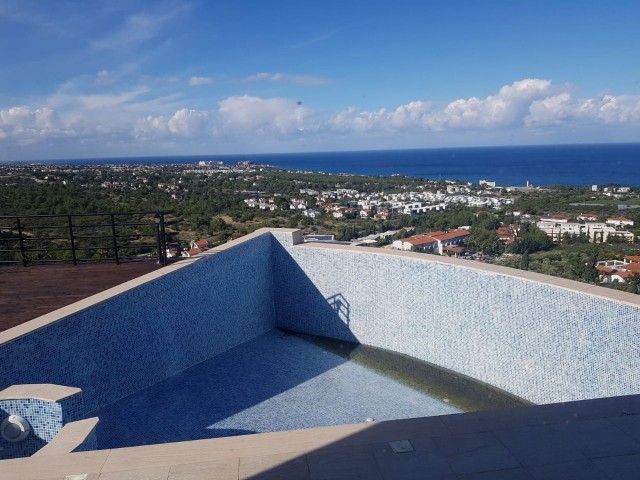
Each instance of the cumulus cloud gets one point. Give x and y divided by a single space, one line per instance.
246 113
132 117
524 103
606 109
24 126
239 115
189 123
411 115
287 78
150 127
508 107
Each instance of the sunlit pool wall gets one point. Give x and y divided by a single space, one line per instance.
538 341
153 331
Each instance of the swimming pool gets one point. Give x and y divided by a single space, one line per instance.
535 337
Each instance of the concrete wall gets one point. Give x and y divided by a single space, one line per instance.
542 342
152 331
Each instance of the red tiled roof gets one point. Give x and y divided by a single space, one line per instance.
420 240
194 251
631 267
603 269
621 219
433 237
633 258
450 235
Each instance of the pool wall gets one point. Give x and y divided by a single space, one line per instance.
537 337
541 338
152 331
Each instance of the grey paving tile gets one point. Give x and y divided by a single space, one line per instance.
473 453
599 438
424 462
539 445
348 462
629 424
580 470
273 467
219 469
512 474
557 413
625 467
150 473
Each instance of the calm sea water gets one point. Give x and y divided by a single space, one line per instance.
539 165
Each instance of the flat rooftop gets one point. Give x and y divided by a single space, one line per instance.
29 292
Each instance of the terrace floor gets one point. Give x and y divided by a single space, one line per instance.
28 292
592 439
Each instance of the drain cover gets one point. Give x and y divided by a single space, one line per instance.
401 446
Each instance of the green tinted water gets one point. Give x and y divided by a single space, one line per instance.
459 390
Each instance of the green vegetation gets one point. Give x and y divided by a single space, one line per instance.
209 202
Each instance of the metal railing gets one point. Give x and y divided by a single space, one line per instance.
84 237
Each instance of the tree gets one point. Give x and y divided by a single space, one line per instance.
524 261
531 239
485 241
633 284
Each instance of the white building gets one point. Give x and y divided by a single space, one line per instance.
620 222
432 242
597 232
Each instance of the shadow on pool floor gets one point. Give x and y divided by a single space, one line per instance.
273 382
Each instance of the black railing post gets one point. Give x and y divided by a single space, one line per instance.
161 254
21 240
163 236
115 239
72 240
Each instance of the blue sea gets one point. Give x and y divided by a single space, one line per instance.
539 165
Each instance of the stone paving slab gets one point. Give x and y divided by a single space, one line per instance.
593 439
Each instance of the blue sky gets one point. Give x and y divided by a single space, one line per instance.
129 78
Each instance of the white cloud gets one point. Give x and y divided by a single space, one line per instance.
24 126
143 118
95 101
525 103
606 109
287 78
140 27
507 108
411 115
150 127
189 123
247 113
195 81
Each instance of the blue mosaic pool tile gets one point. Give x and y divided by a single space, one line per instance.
273 382
151 332
538 341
